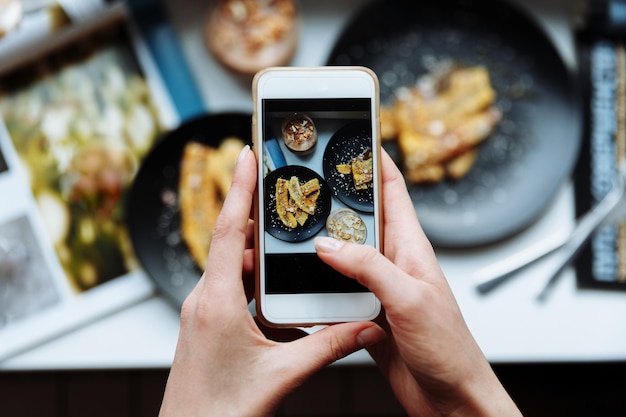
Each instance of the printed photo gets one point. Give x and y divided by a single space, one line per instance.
81 119
26 283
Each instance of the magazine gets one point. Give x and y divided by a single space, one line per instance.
80 109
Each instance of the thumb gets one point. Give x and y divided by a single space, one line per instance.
335 342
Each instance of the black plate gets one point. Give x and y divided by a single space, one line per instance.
346 144
534 148
153 214
314 223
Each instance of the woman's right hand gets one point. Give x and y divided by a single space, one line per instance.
430 358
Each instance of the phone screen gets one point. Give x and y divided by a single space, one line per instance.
319 180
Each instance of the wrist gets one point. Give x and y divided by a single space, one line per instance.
484 396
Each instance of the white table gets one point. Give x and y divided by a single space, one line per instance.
574 325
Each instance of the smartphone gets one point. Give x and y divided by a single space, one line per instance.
317 141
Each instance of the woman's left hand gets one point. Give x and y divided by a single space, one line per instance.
224 365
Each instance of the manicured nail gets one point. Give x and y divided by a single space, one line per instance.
243 153
370 336
327 244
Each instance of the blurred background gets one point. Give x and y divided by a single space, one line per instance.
100 100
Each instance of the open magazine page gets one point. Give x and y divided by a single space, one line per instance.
29 27
76 122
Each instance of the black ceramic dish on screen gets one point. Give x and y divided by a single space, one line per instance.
314 223
536 144
346 144
153 214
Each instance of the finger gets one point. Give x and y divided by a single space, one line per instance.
371 268
249 284
398 208
280 335
249 262
192 298
224 266
333 343
401 224
250 234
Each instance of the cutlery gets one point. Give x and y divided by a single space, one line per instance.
562 249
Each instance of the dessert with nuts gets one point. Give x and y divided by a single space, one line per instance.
300 134
346 225
249 35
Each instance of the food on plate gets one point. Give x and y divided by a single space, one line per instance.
97 176
346 225
249 35
439 122
81 119
361 168
299 134
205 177
295 202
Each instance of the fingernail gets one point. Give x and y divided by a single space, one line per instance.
370 336
327 244
243 153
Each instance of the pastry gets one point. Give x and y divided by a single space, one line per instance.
361 169
295 202
440 121
205 177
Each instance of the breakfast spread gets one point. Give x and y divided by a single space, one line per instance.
205 177
295 202
346 225
440 121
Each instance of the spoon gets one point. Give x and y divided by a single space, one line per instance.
563 249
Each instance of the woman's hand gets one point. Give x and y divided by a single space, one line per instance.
224 365
430 358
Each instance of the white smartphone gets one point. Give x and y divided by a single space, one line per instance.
316 137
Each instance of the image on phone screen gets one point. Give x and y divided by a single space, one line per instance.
319 180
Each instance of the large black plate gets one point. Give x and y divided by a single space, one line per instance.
521 166
346 144
152 212
314 223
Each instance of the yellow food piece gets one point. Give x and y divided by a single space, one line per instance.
345 169
295 201
205 177
282 203
295 192
310 186
459 166
362 172
436 125
361 168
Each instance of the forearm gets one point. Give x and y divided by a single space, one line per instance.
482 395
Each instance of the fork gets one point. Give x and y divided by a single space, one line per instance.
564 250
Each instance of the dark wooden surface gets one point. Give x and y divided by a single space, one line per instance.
539 389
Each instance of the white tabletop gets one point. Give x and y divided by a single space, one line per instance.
510 326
